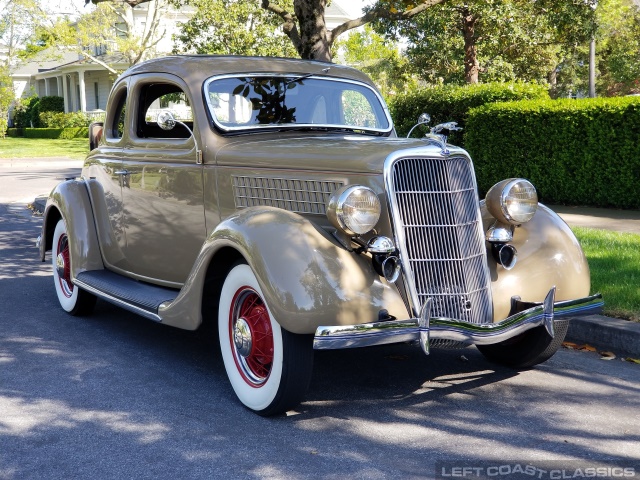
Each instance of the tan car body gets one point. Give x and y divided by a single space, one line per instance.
180 232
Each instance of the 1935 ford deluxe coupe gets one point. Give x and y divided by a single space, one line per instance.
273 198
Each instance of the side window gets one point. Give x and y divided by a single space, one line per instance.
357 110
159 97
115 122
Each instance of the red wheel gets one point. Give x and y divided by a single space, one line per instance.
251 336
72 299
63 265
268 367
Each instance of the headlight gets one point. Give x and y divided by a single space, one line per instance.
513 201
354 209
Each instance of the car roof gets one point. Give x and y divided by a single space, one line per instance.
195 69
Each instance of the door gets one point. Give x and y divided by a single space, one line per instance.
163 207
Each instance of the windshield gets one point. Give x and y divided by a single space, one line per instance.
267 101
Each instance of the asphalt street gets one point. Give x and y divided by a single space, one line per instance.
114 396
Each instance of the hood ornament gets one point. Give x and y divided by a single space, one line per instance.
435 137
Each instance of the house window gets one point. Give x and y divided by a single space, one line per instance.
96 91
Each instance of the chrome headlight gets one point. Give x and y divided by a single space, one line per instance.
354 209
513 201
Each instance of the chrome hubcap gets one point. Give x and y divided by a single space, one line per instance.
60 265
242 337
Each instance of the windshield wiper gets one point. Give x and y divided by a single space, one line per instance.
302 77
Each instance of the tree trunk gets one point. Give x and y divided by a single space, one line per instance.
471 64
315 38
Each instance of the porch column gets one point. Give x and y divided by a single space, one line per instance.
65 92
73 94
46 87
83 93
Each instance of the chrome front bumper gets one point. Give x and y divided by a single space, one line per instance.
425 328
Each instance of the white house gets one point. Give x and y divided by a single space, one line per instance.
85 84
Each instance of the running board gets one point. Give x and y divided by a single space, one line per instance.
138 297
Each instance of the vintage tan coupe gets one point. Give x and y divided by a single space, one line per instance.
273 198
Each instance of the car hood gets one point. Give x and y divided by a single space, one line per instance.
337 153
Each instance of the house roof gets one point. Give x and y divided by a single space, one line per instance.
47 60
335 10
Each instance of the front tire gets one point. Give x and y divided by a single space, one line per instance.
268 367
528 349
72 299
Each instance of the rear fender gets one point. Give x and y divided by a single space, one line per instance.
69 200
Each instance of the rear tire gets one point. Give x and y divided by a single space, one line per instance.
528 349
73 300
268 367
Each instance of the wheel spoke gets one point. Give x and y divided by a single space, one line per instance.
255 366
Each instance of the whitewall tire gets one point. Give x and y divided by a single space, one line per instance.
72 299
269 368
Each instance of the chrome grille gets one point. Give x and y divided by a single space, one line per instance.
437 221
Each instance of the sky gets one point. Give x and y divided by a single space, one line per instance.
354 7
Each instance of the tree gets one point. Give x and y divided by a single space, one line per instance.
18 20
112 25
6 98
231 27
305 24
379 58
458 41
618 47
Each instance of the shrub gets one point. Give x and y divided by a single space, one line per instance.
452 103
51 104
576 152
22 112
63 120
45 104
64 133
14 132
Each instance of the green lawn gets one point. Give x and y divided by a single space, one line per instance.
76 148
614 260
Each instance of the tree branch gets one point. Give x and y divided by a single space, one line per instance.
379 13
100 62
289 26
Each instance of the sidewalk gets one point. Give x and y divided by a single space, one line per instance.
602 218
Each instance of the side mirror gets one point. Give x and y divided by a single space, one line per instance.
166 120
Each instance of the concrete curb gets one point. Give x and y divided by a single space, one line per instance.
39 204
621 337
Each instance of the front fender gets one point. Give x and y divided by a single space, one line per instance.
69 200
306 277
548 254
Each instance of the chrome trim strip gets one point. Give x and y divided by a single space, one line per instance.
116 301
381 333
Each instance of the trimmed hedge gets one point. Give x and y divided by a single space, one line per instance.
452 103
575 152
64 133
15 132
